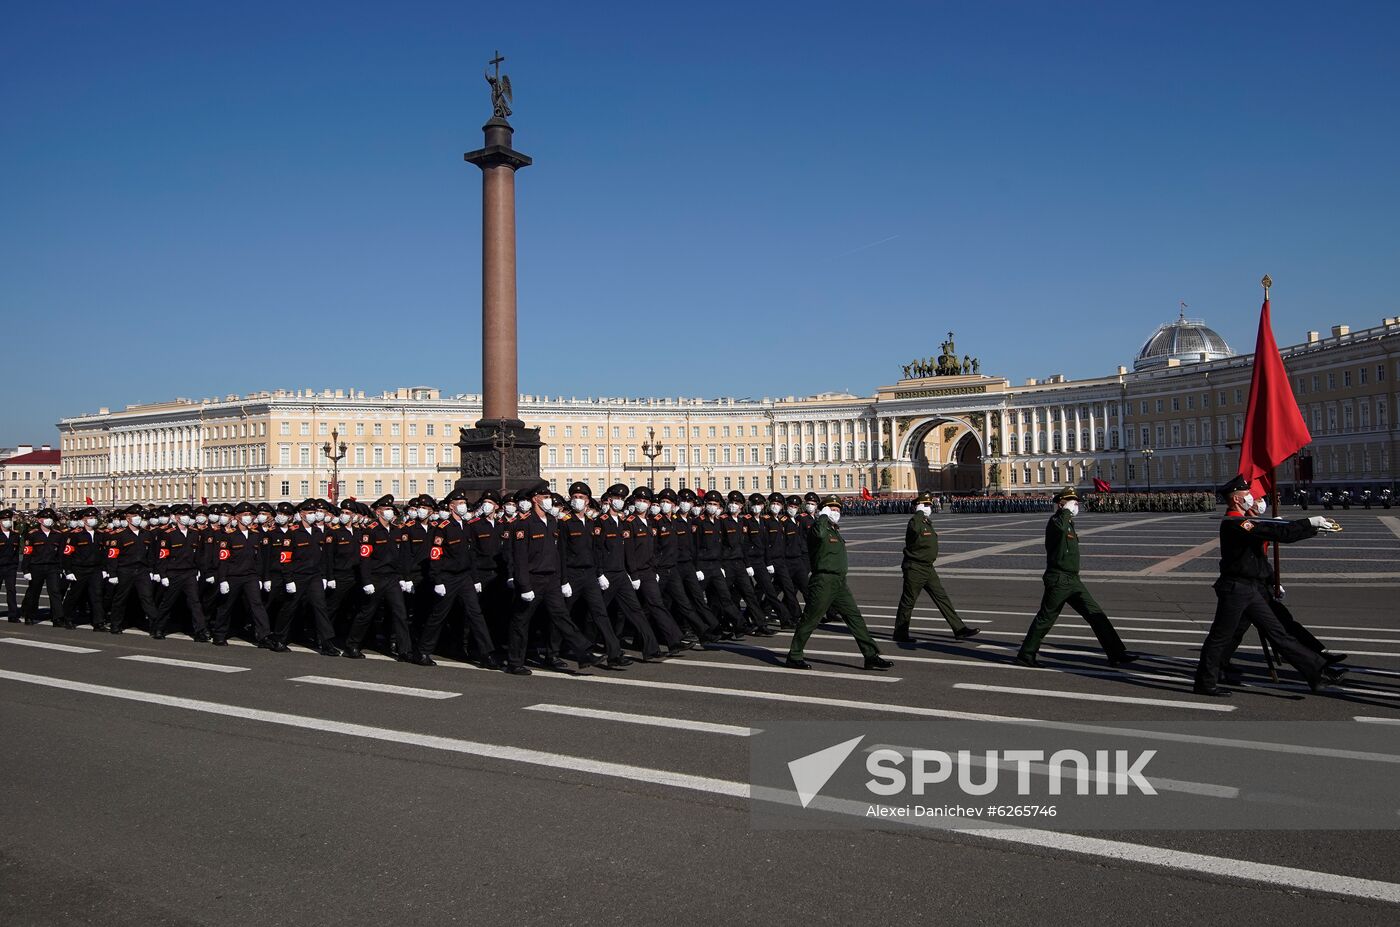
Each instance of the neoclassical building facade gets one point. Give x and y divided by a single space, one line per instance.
1173 421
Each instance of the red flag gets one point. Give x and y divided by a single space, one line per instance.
89 500
203 500
1101 486
1274 429
865 493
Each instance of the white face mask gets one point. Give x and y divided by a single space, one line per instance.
733 508
756 509
833 515
135 521
685 507
46 522
655 509
186 521
344 518
1248 502
245 520
775 508
510 508
924 509
547 506
386 516
7 524
667 508
282 519
461 509
578 503
223 519
1261 507
792 511
201 519
810 507
1072 507
524 505
616 504
262 518
487 508
90 522
591 513
165 519
712 510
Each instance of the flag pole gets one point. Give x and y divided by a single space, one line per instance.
1267 282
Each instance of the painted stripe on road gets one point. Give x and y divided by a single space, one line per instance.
188 664
374 687
1091 697
849 677
45 645
1230 869
684 724
1369 719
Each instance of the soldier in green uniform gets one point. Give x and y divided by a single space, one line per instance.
1063 586
920 551
827 588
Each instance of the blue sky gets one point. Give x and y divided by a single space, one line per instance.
785 197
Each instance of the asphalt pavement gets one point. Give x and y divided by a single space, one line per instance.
169 782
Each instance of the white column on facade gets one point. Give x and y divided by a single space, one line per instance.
879 438
1035 430
1077 448
1093 439
1005 433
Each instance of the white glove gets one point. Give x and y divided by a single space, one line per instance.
748 570
440 589
291 588
476 586
330 584
603 583
1317 521
223 588
700 575
567 589
1280 593
28 577
208 579
70 577
636 584
527 597
770 569
368 590
266 585
403 586
721 572
510 582
165 580
105 574
408 585
155 577
112 580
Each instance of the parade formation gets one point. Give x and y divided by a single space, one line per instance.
505 581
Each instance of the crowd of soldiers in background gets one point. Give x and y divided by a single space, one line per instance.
1029 503
1345 499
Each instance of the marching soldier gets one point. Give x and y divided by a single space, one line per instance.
304 572
795 543
778 531
489 557
639 545
736 566
582 576
84 555
920 551
128 569
11 545
454 581
610 539
675 557
177 553
383 572
828 590
1063 586
241 573
539 584
687 571
709 567
1241 592
759 536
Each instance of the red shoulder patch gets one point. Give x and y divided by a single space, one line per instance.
1247 525
597 530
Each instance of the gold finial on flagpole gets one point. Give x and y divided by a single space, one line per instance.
1266 283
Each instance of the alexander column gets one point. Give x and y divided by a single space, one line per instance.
500 452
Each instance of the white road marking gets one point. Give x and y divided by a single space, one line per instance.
708 727
1222 867
849 677
1091 697
189 664
374 687
1393 523
45 645
1369 719
995 549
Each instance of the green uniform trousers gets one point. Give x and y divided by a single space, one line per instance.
1063 589
922 577
829 591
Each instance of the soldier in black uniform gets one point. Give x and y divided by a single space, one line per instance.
129 569
795 544
11 544
84 556
640 556
1242 594
453 579
486 531
710 569
777 583
581 574
534 542
610 537
420 601
241 571
737 570
383 572
343 544
177 555
675 563
303 570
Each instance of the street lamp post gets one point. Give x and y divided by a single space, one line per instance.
335 458
651 449
1147 454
